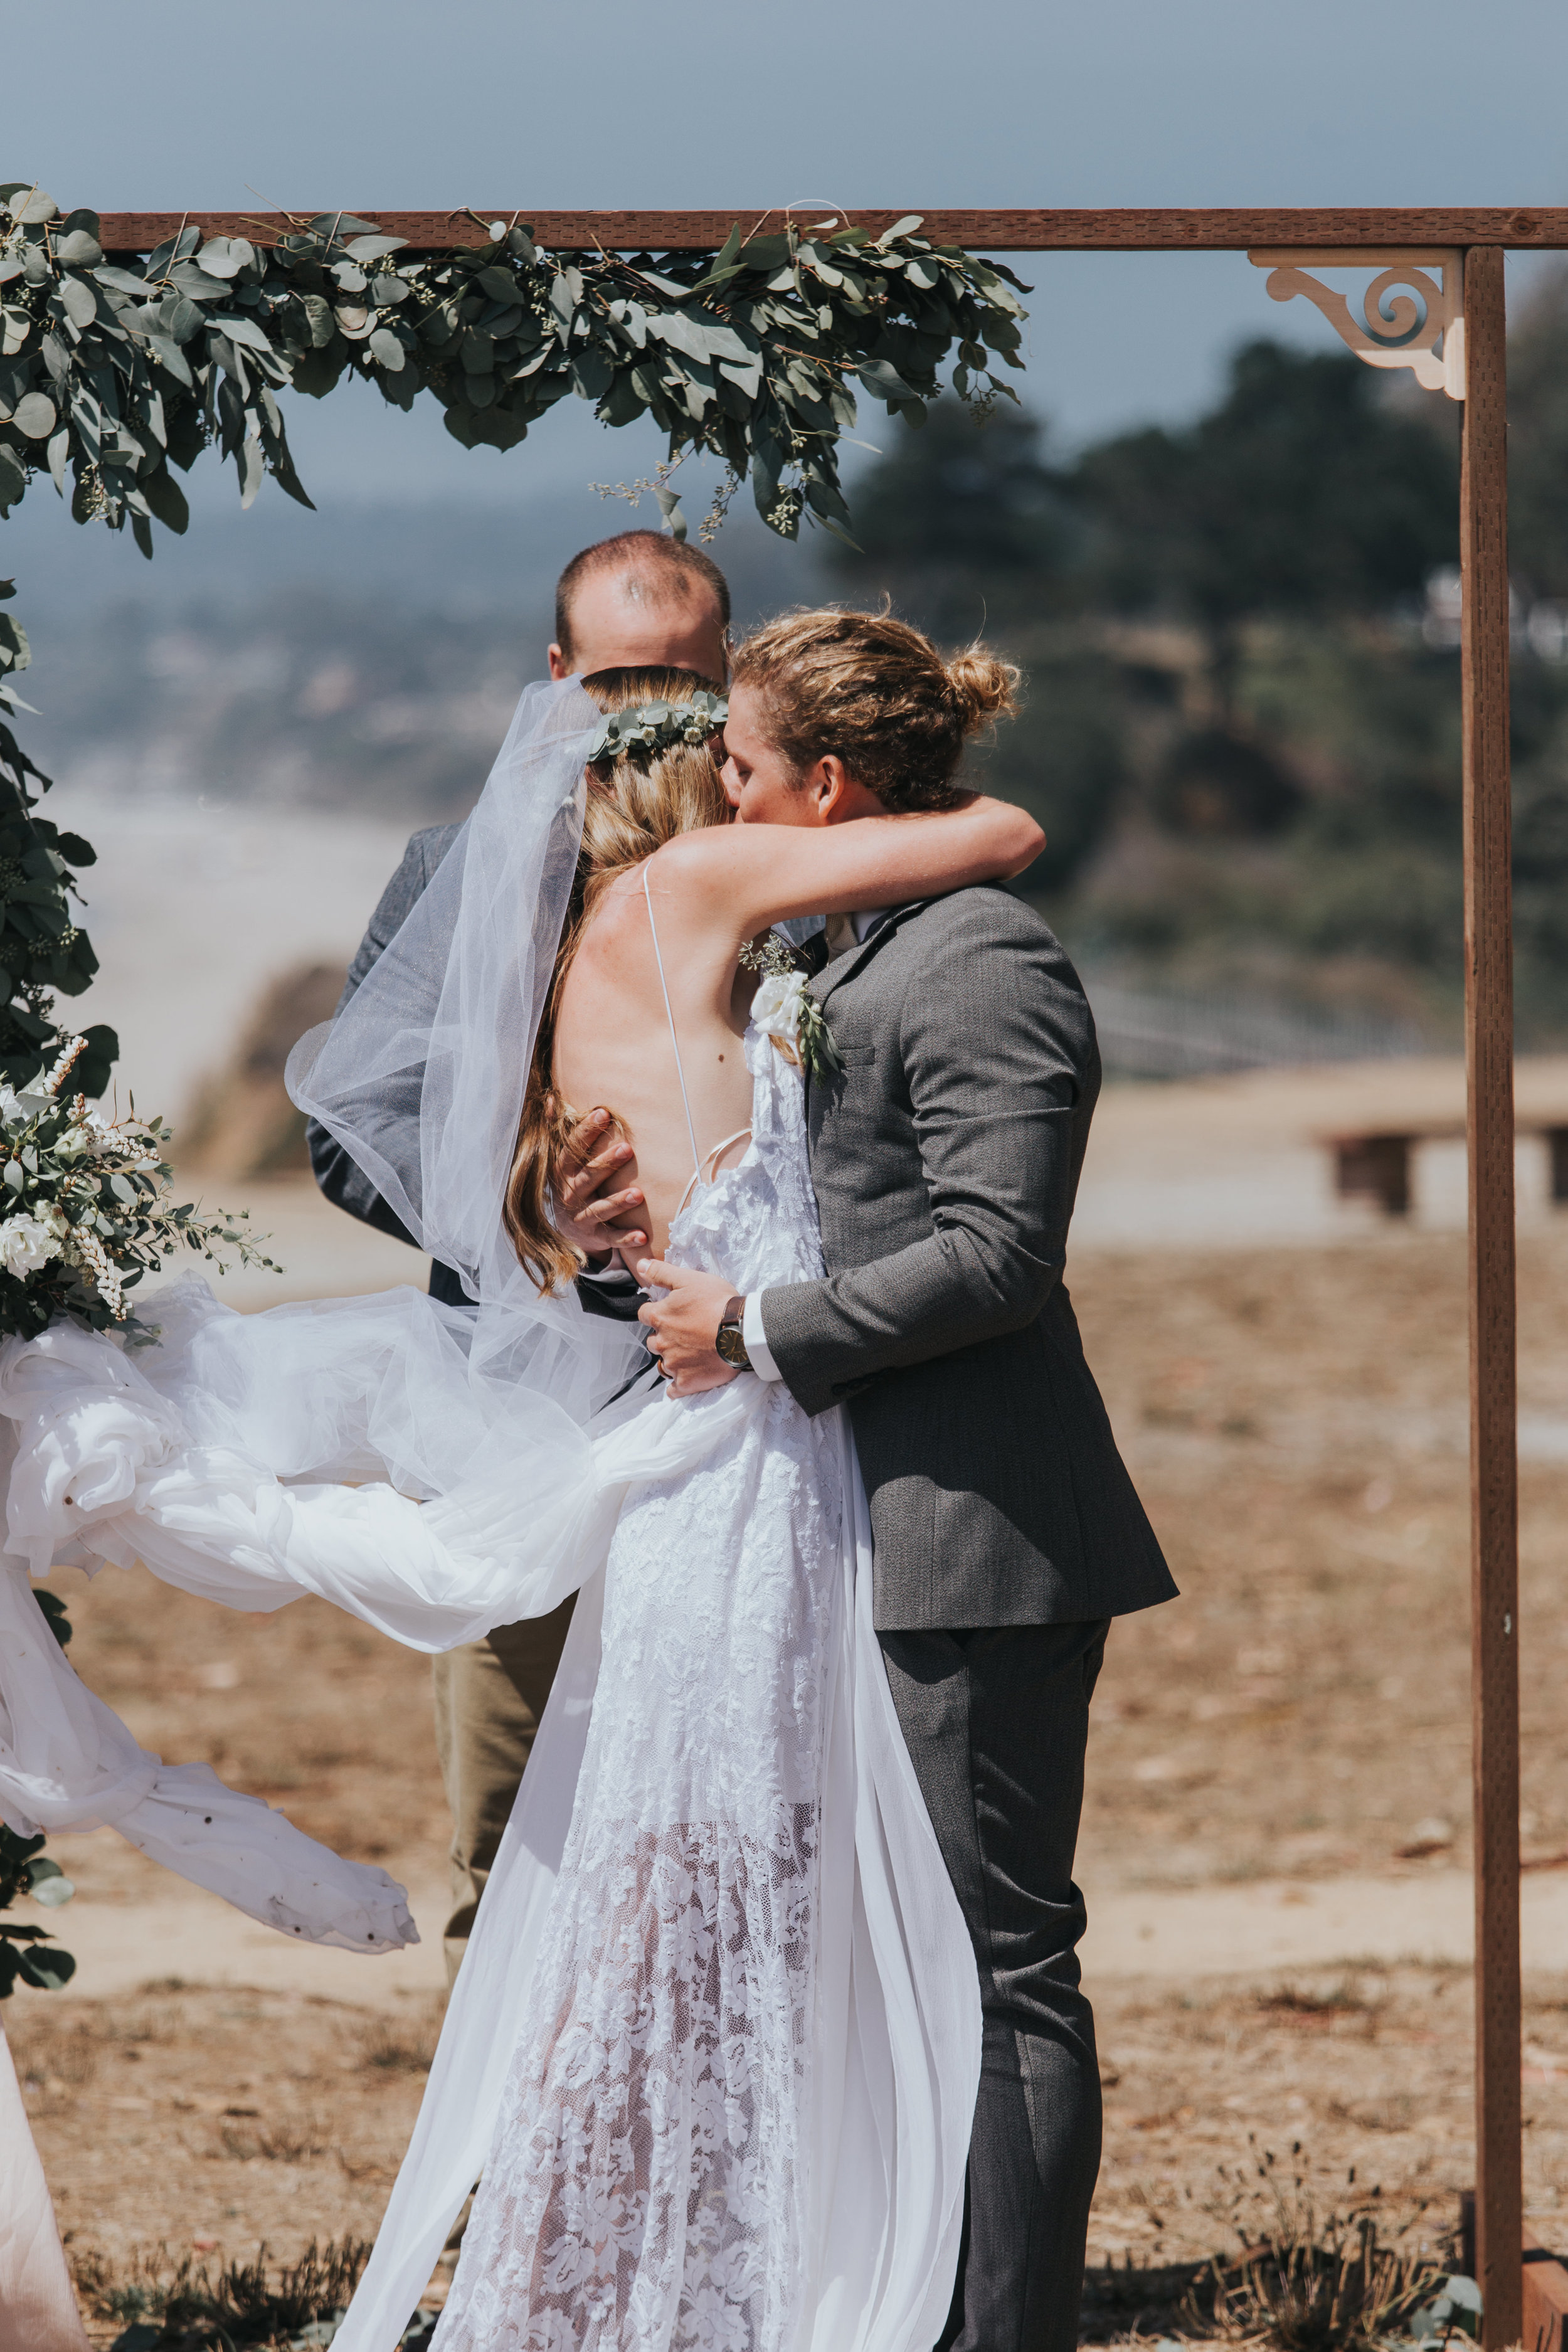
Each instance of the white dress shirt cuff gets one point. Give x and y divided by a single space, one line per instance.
755 1338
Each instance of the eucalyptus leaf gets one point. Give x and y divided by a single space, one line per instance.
35 416
124 281
883 380
46 1967
169 354
187 279
78 250
79 301
218 258
320 314
166 499
245 332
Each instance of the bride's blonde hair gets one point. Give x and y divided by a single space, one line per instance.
636 803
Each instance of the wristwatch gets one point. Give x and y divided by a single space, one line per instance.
730 1343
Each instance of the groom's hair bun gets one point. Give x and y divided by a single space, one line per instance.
878 694
986 688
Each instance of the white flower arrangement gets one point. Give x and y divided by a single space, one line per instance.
785 1011
87 1209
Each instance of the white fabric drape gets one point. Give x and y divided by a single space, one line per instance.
38 2307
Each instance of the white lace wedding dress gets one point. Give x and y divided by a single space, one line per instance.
651 2176
716 2043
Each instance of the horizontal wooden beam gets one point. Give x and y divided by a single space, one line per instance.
1536 228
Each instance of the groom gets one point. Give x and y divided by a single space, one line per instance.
639 601
945 1158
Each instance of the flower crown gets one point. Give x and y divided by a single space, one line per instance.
660 726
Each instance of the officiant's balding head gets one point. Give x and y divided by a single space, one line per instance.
641 601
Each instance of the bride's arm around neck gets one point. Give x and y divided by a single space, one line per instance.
753 875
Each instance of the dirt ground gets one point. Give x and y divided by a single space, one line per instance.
1295 1423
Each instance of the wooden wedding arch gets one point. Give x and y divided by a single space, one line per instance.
1437 307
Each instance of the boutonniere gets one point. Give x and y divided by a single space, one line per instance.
785 1011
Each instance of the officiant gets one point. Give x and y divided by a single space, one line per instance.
638 601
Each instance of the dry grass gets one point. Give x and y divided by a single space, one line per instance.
191 2306
394 2049
1295 1424
252 2118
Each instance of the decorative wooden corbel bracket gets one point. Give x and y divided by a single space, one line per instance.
1413 313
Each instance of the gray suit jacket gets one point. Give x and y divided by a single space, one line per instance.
945 1160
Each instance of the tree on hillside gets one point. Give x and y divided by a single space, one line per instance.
963 524
967 528
1302 493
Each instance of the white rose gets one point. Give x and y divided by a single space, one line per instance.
775 1008
25 1245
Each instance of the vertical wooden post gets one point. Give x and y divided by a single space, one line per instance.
1494 1477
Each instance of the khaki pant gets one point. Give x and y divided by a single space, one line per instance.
489 1695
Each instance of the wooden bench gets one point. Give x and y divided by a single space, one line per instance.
1374 1163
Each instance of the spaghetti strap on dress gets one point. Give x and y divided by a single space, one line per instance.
742 1133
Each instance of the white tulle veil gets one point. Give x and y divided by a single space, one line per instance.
421 1076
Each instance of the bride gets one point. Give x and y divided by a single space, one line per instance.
714 2048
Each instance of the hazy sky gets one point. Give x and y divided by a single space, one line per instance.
371 103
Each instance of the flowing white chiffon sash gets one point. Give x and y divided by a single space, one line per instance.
108 1463
898 2008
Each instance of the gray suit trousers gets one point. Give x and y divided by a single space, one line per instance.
996 1720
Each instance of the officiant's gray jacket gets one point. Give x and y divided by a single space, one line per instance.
340 1178
945 1160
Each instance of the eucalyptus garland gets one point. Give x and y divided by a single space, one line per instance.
115 370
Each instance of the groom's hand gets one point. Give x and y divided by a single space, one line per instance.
685 1324
585 1210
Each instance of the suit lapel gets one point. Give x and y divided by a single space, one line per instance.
833 975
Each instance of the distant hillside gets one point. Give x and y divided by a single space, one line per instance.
363 657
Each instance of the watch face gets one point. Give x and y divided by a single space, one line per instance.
732 1345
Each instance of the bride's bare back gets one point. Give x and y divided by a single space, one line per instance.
709 892
613 1043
